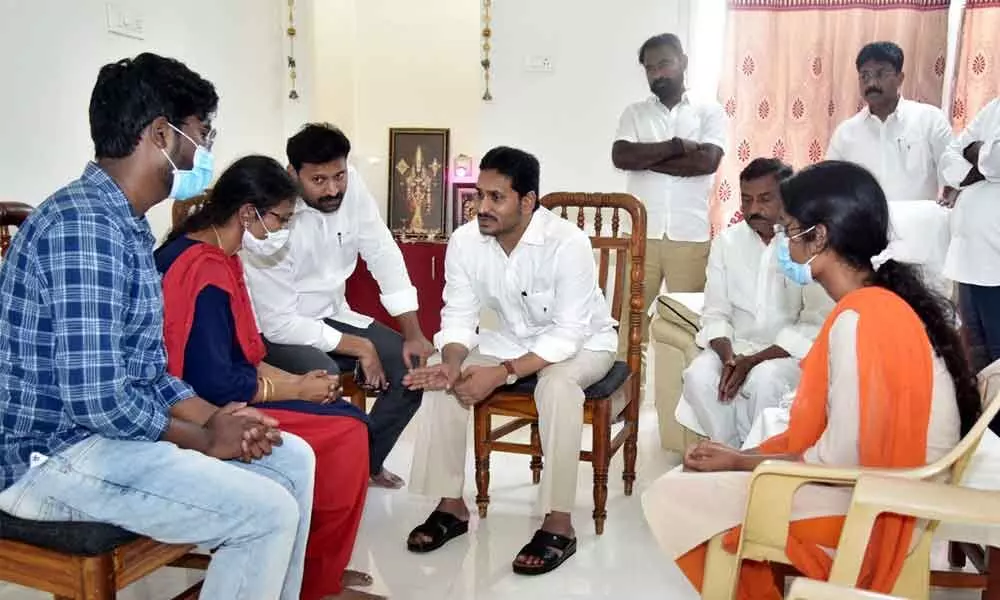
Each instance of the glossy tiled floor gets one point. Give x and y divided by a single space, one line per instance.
623 563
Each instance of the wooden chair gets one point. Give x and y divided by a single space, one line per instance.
986 562
616 398
12 214
79 560
182 210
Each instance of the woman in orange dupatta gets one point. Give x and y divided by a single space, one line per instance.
214 344
886 384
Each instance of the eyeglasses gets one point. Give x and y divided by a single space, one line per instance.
209 138
283 220
780 229
876 75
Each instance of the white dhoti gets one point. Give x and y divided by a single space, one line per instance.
730 422
441 446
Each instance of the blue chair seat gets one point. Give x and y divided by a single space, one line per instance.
615 378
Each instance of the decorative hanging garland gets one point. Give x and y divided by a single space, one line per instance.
293 94
487 33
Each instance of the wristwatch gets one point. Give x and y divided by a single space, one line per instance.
511 373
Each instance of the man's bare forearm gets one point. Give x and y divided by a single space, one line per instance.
409 325
187 435
529 364
770 353
454 355
971 152
723 347
353 345
635 156
693 164
194 410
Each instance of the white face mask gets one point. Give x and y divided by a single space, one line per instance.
272 242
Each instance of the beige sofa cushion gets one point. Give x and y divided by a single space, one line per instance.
678 313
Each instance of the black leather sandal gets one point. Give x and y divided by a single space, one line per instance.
440 527
553 550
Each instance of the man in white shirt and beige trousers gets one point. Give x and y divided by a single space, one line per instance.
298 290
537 272
671 145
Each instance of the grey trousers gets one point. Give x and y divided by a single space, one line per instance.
394 407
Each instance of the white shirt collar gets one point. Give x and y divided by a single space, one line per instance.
899 113
685 100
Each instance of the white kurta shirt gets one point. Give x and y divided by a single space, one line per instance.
676 207
750 301
974 253
545 293
303 283
902 152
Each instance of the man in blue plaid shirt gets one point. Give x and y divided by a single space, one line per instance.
91 425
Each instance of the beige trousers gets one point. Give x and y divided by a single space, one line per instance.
681 264
440 453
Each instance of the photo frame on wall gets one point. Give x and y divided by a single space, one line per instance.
464 203
418 172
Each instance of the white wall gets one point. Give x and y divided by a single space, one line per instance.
383 63
568 117
389 63
53 49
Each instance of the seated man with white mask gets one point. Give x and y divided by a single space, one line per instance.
755 324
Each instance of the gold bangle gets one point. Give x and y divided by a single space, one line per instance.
261 387
270 389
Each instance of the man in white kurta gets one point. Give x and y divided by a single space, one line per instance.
972 163
756 325
537 272
900 141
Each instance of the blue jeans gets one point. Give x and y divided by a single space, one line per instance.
256 515
979 307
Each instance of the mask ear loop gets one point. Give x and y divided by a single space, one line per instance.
245 221
817 253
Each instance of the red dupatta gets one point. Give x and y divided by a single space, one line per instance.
199 266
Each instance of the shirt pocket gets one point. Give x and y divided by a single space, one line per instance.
687 124
916 155
538 307
346 239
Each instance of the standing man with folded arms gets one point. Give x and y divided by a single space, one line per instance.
671 145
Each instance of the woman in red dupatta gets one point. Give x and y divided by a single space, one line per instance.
886 384
213 343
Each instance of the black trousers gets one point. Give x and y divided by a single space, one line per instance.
394 407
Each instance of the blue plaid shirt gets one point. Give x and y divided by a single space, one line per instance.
81 328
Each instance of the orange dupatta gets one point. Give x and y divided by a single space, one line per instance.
895 372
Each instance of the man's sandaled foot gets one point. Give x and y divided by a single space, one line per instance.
544 553
386 479
352 578
439 528
349 594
